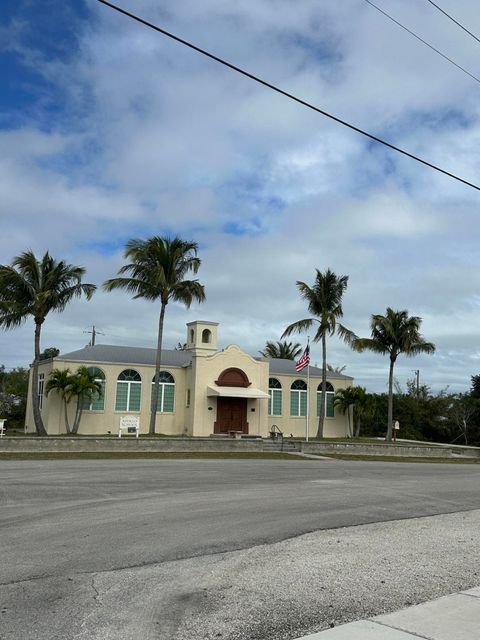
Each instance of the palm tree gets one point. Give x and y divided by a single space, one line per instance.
392 334
344 399
363 408
156 271
83 386
59 381
324 301
285 350
333 369
31 287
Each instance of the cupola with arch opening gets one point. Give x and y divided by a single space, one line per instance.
202 336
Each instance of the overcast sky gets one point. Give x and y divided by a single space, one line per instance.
109 131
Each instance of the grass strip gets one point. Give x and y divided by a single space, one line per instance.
381 443
220 455
145 455
373 458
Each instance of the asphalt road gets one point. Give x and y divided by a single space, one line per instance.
120 549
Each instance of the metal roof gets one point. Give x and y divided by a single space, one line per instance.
128 355
181 358
281 366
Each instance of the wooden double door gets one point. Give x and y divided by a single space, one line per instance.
231 415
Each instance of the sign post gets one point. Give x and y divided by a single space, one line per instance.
129 424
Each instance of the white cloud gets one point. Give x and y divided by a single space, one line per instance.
156 139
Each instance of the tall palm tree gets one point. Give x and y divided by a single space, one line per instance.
285 350
392 334
324 300
31 287
156 271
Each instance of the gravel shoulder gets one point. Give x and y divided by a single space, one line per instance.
273 591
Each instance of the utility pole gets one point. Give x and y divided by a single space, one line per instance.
417 376
94 334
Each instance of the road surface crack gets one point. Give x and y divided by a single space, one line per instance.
96 597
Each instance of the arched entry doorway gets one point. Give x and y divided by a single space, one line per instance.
232 409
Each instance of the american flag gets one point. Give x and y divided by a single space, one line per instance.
304 360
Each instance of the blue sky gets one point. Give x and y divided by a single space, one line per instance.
109 132
36 36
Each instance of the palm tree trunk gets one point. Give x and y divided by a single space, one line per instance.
158 364
390 400
357 430
37 416
78 415
321 417
67 424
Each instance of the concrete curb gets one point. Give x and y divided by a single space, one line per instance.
456 616
400 450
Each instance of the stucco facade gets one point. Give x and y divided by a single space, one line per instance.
204 391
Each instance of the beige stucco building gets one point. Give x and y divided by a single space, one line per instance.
203 391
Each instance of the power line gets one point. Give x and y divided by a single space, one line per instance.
430 46
94 332
286 94
453 20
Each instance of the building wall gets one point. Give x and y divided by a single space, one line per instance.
108 420
197 419
335 427
207 369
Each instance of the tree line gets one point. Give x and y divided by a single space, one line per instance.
423 415
159 269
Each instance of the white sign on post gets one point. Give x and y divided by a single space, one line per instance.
129 424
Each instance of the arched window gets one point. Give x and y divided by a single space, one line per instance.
129 391
298 398
166 392
206 336
192 336
97 401
275 397
329 408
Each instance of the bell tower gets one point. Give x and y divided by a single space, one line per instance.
202 337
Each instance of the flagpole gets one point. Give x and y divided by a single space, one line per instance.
308 391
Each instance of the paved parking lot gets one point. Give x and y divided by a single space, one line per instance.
197 548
